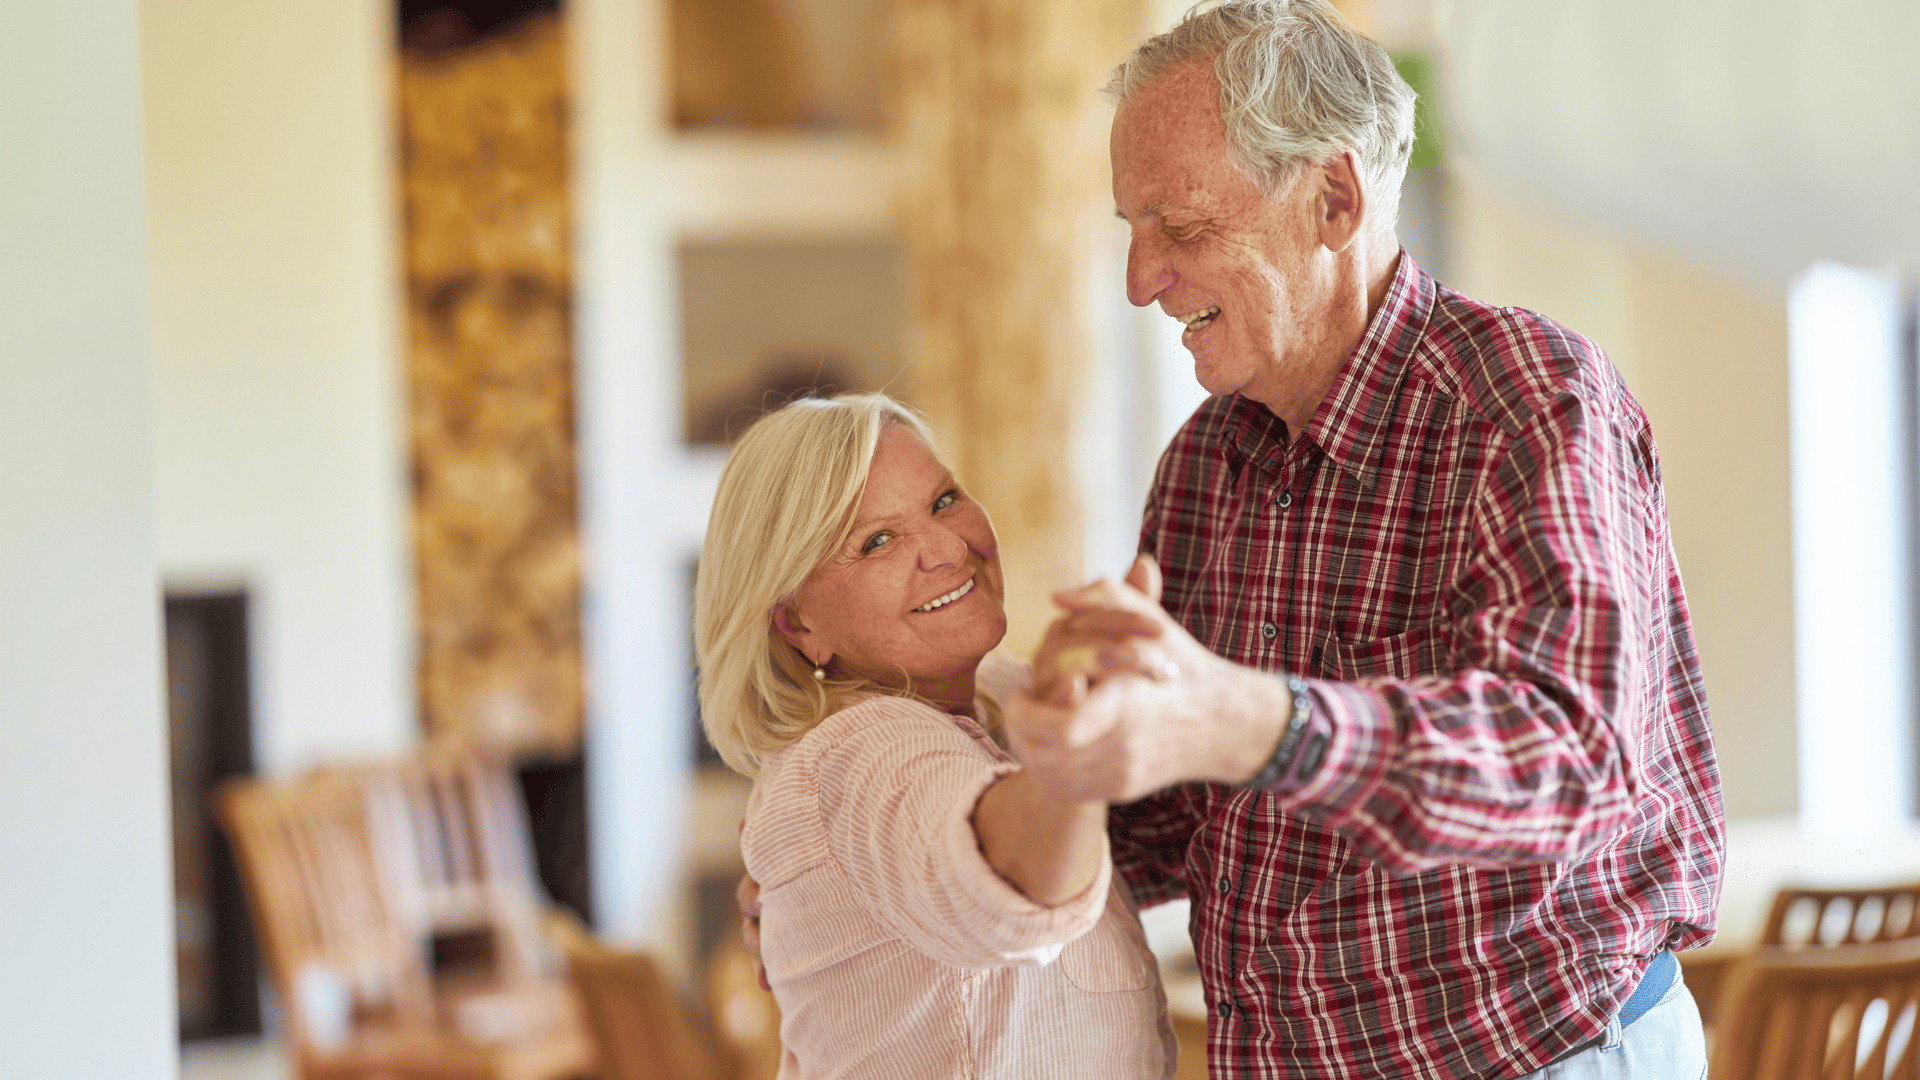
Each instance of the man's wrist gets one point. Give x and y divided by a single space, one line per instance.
1296 722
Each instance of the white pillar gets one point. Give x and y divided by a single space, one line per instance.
1852 543
632 513
86 989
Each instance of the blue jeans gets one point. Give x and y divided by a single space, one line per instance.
1666 1043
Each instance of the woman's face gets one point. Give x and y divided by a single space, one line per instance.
915 592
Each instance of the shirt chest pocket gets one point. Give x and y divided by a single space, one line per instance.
1113 955
1422 650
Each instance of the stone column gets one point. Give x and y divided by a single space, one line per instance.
1003 147
490 380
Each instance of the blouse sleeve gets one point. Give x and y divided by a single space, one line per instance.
897 795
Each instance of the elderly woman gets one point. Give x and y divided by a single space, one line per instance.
926 908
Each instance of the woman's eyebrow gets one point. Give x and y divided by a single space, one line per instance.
947 483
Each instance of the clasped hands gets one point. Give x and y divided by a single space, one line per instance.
1124 701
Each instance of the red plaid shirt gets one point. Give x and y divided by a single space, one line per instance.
1507 800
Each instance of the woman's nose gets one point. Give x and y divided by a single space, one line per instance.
943 548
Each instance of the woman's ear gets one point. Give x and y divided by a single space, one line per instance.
787 620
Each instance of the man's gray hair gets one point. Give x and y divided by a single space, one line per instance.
1297 87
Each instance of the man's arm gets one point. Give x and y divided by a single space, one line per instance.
1523 753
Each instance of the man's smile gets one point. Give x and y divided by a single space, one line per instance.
1194 320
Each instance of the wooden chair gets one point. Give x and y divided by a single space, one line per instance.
637 1021
450 838
347 924
1802 916
1844 1012
746 1019
1808 917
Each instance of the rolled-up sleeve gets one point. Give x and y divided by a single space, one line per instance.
1526 752
896 796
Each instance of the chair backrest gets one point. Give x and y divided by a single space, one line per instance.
450 839
1805 916
746 1019
1840 1013
639 1024
334 948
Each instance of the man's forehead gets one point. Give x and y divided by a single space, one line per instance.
1169 144
1176 175
1181 99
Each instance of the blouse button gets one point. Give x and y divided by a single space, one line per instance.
1286 499
1269 631
1226 1009
1226 886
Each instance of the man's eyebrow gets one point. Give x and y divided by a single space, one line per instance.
1151 208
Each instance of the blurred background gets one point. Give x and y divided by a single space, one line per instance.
399 346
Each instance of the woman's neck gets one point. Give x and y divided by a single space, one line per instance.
954 692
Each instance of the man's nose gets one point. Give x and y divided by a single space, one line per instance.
1148 274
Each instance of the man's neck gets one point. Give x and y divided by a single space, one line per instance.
1359 289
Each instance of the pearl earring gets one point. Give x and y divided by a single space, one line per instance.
819 675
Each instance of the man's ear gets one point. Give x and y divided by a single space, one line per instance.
1343 201
789 624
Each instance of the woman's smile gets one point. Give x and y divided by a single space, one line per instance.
942 601
914 597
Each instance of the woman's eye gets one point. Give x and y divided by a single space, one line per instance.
946 500
875 542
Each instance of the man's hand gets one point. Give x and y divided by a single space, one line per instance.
1115 734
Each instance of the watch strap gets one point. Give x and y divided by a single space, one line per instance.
1289 746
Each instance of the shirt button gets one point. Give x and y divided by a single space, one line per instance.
1269 631
1285 500
1226 886
1226 1009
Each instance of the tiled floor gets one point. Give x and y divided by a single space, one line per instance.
233 1059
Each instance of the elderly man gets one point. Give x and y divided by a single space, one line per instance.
1428 748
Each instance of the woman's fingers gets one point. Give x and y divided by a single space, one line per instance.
1144 576
1065 680
1110 623
747 895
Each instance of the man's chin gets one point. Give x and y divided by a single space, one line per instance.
1213 380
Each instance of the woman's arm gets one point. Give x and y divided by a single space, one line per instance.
1046 846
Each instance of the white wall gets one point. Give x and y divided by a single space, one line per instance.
1755 138
87 985
276 348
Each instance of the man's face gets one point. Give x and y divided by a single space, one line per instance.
1237 266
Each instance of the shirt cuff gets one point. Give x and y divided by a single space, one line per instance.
1342 756
1018 929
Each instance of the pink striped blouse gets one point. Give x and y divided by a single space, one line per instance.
896 951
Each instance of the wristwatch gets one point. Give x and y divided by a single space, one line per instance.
1283 754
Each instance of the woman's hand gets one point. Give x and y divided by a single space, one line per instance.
1100 637
747 895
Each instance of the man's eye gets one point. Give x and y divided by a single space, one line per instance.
946 500
875 542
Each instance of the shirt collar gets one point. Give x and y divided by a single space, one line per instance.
1350 422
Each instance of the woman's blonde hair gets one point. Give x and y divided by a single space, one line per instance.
786 502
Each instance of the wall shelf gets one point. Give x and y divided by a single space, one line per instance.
739 185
